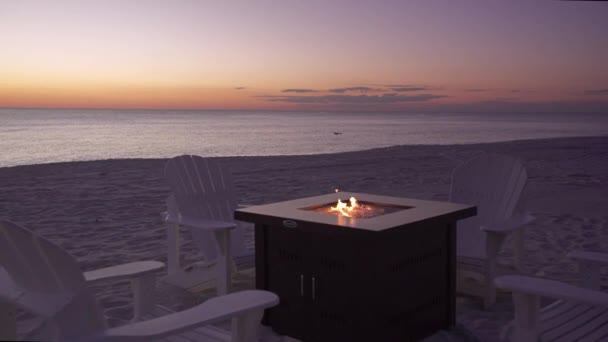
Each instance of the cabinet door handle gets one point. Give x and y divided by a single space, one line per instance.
302 285
313 287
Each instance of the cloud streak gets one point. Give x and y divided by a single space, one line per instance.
239 88
354 99
299 90
597 92
401 89
398 88
352 89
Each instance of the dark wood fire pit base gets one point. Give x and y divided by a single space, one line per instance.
388 278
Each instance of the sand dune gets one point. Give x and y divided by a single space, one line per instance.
107 212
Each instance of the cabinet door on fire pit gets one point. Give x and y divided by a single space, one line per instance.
335 278
287 277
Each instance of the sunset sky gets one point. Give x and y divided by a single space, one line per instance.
461 56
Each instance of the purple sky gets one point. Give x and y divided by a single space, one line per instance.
309 55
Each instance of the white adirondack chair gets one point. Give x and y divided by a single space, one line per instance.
203 199
494 183
39 277
579 314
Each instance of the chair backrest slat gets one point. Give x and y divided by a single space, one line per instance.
492 182
35 263
203 189
51 282
517 183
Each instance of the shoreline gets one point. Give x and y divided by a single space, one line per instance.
106 212
328 153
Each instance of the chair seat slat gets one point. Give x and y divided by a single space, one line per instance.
567 321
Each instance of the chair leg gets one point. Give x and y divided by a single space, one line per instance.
8 322
223 262
245 327
493 244
526 317
143 295
173 248
590 275
518 248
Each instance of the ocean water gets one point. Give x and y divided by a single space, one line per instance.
45 136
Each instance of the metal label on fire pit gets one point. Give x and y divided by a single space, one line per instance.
290 224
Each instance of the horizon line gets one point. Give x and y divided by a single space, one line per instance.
305 111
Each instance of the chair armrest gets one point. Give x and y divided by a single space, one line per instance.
143 282
592 257
510 225
211 311
551 289
165 215
200 223
130 270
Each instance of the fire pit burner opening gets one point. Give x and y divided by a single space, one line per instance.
363 209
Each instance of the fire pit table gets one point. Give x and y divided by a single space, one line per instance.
378 269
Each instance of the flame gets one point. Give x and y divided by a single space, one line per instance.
354 209
344 208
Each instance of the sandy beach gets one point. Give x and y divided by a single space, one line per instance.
107 212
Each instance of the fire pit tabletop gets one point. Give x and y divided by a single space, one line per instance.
404 211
